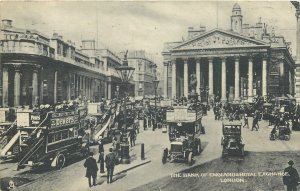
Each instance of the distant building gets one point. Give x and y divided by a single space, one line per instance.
235 64
110 62
144 74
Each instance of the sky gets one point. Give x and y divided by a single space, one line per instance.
142 25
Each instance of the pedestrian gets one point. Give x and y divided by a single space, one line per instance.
101 155
91 169
100 146
291 177
110 160
255 123
101 161
246 121
132 135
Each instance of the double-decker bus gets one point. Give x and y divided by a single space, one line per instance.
53 143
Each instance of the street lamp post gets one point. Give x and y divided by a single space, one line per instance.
125 73
155 83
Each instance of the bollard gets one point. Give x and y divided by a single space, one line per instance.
142 151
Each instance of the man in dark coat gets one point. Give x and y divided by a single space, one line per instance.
101 156
100 146
255 123
291 177
91 169
110 160
132 135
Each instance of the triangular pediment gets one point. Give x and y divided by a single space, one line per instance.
219 39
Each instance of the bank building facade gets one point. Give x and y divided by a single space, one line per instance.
233 65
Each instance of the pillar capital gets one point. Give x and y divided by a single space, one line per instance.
264 56
185 59
236 58
166 62
210 59
173 61
223 58
17 67
250 57
198 60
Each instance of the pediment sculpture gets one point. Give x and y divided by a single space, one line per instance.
217 40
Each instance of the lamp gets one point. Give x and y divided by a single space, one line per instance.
125 72
155 83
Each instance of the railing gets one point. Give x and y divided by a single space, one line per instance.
32 151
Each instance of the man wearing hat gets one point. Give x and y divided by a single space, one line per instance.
110 160
101 155
91 169
291 177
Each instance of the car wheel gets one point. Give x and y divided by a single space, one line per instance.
165 155
199 149
60 162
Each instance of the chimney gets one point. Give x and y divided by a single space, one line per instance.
202 29
7 23
55 35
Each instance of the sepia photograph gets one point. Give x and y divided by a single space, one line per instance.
144 95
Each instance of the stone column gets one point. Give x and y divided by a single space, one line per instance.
166 79
108 90
74 85
237 79
198 73
82 87
264 76
42 85
223 97
297 69
5 87
173 79
298 34
210 76
185 78
69 85
35 86
55 88
78 86
250 78
17 81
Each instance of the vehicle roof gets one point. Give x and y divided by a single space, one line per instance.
227 122
267 104
176 143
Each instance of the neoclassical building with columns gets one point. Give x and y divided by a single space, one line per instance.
236 64
36 69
